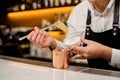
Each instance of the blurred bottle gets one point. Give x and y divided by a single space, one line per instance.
56 3
47 3
22 5
24 45
34 4
13 8
26 5
42 3
29 4
39 4
10 43
51 3
62 2
68 2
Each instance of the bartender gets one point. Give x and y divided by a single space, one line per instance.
96 23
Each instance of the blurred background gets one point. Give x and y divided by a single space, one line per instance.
18 17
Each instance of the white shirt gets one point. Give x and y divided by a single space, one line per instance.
100 23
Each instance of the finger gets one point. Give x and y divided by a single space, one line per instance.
36 32
41 40
38 39
77 57
77 49
85 41
36 28
72 47
29 37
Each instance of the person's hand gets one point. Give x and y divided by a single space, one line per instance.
92 50
41 38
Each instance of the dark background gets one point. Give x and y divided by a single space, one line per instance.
4 4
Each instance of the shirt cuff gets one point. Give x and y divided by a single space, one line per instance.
60 45
115 59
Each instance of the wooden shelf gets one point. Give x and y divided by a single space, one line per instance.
33 17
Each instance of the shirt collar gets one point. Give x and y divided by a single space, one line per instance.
110 5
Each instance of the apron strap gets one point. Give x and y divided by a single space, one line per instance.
116 18
88 22
116 13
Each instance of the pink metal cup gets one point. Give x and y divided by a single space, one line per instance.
60 59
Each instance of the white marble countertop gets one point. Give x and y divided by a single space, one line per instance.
13 70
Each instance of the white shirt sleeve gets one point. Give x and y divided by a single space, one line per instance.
60 45
115 59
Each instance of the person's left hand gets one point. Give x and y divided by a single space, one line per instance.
91 51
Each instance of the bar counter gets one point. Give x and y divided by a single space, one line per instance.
12 68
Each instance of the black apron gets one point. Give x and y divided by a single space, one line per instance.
109 38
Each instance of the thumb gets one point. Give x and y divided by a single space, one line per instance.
85 41
36 29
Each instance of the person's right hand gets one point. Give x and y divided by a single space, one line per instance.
41 38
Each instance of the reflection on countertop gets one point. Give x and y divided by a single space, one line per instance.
22 69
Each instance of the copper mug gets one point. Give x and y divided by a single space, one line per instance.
60 59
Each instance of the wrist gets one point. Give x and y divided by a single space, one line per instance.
53 44
107 53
